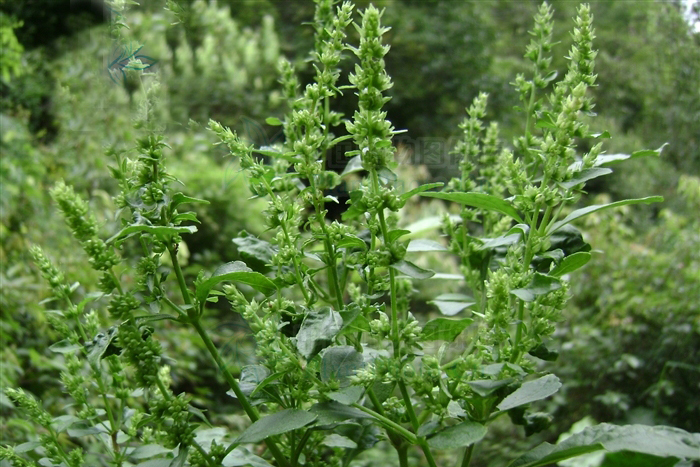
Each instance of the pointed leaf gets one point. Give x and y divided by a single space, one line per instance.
236 271
478 200
276 424
393 235
531 391
148 450
485 387
610 158
349 395
541 284
317 331
65 346
338 441
157 230
340 363
255 252
585 175
571 263
241 457
274 121
351 241
411 270
661 441
444 329
334 412
428 186
422 244
578 213
353 165
458 436
179 198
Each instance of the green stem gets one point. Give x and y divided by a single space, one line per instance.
389 424
180 277
467 459
392 274
403 455
300 447
247 406
409 405
426 450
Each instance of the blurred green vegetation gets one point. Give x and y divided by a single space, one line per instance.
629 346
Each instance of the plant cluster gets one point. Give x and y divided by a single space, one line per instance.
342 362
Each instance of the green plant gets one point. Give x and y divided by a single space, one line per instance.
342 362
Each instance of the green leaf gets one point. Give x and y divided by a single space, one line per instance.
571 263
457 436
541 284
338 441
546 122
236 271
317 331
353 320
241 457
599 207
155 463
444 329
353 165
661 441
148 450
551 76
351 241
485 387
339 139
81 429
450 304
422 244
340 363
65 346
478 200
610 158
504 240
349 395
274 121
26 447
542 352
411 270
179 198
251 377
428 186
264 383
186 216
386 174
276 424
333 412
585 175
99 344
531 391
256 253
393 235
160 231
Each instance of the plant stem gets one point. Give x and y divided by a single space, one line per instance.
428 454
467 459
403 455
300 447
410 437
194 320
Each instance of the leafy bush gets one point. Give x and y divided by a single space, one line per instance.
340 360
631 333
